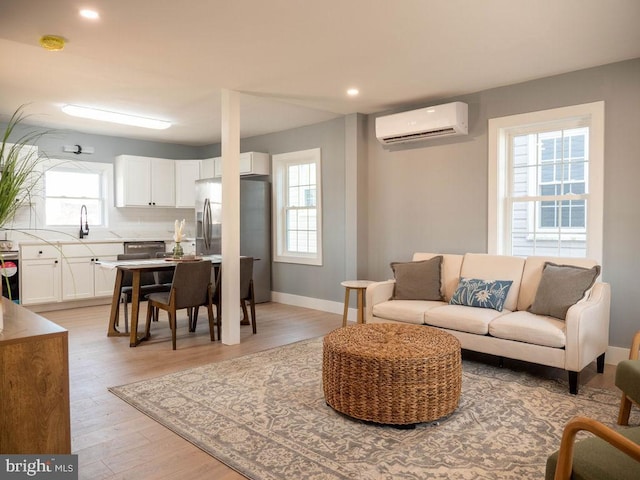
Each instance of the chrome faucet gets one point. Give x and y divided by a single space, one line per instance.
84 232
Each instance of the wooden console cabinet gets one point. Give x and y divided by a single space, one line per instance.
34 384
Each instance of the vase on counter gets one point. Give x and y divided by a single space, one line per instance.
177 251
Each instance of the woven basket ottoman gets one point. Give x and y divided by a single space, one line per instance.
392 374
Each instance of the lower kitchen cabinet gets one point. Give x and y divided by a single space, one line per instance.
77 278
104 279
66 272
81 277
40 274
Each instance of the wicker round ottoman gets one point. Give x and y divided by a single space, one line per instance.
392 374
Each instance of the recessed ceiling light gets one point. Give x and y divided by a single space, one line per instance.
352 92
90 14
114 117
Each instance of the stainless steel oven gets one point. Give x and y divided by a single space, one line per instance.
145 246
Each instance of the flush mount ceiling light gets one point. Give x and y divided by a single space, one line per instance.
53 43
352 92
114 117
90 14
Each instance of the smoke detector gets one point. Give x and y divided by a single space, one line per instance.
53 43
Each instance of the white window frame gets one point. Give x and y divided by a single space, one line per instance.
280 163
105 170
500 130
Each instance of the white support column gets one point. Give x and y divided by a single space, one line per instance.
230 217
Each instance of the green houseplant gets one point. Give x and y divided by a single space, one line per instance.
18 176
18 173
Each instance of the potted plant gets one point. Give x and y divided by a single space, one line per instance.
18 175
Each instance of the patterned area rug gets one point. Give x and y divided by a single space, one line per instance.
264 415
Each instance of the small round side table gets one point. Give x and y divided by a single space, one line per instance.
360 286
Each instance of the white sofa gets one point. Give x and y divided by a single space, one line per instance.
570 344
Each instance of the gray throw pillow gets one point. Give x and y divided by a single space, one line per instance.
417 280
561 286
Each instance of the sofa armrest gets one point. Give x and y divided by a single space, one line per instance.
587 328
377 293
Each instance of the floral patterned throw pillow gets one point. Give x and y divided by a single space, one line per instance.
473 292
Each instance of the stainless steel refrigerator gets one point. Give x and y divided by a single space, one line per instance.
255 226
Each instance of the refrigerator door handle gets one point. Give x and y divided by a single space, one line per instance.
206 224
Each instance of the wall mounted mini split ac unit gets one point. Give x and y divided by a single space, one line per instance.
432 122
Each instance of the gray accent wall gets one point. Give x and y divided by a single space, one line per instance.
432 196
322 282
106 147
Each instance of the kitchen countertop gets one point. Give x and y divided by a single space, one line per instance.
95 240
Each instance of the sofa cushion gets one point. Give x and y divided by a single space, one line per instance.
462 318
560 287
532 274
474 292
529 328
449 271
409 311
417 280
490 267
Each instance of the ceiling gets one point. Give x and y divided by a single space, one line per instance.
292 60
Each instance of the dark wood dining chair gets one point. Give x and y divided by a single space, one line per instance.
246 290
191 287
148 284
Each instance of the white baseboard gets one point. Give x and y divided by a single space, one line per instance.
615 355
314 303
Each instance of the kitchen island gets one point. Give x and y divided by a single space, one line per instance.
34 384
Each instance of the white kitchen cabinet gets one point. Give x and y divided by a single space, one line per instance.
251 163
186 173
77 278
81 276
63 272
104 279
39 274
207 167
144 182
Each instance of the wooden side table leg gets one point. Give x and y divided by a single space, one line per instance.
360 305
346 306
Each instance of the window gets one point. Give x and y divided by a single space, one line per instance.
297 207
546 181
69 185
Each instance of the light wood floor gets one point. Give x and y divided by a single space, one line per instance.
115 441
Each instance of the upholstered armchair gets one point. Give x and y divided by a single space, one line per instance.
609 454
628 380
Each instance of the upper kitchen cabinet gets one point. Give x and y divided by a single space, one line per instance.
187 172
251 163
144 182
206 167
